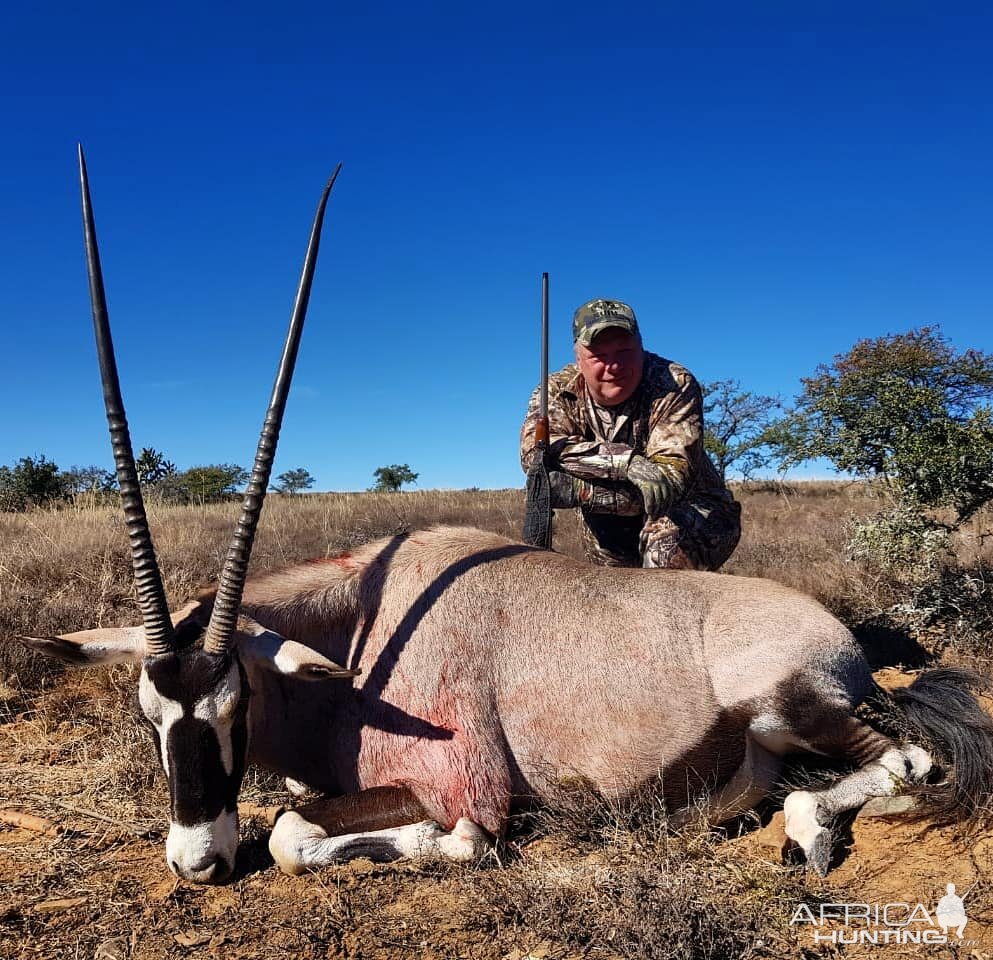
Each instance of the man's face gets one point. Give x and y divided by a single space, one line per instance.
611 365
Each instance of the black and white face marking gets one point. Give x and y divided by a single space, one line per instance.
197 705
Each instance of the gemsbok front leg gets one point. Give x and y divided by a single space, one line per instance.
382 824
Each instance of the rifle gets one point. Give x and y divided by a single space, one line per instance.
538 506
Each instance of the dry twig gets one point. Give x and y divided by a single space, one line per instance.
29 822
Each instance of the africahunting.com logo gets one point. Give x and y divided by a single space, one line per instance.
883 923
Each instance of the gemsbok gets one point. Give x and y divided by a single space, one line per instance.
429 683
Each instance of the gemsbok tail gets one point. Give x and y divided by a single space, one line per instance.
942 710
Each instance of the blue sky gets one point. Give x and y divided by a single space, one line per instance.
765 183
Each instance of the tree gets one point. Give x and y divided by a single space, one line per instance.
736 427
906 408
91 479
30 482
152 466
390 479
208 483
293 481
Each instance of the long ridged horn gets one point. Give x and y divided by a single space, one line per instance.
151 593
225 613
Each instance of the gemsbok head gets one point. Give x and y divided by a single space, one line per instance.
193 690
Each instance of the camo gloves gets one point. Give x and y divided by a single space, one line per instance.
658 485
563 490
658 489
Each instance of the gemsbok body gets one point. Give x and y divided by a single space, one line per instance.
429 683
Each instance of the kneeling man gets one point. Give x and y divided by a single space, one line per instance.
626 438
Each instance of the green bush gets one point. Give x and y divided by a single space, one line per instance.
900 541
210 483
31 482
906 408
293 482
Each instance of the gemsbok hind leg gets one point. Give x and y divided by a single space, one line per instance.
884 768
750 783
382 824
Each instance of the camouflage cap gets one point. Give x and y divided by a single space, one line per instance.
597 315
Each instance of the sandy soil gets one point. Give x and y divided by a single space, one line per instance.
100 888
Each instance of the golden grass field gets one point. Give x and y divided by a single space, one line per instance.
584 879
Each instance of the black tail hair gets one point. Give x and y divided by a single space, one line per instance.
941 709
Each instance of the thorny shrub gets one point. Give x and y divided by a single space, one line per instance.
900 540
912 558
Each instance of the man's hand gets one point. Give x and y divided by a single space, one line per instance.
563 488
657 490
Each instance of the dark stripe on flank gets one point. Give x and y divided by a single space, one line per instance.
710 763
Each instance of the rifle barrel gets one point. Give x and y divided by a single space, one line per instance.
543 402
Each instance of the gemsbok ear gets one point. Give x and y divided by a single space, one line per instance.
103 645
90 648
272 652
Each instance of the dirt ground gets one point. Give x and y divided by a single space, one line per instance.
90 880
93 887
886 862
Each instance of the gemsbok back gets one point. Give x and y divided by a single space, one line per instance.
429 683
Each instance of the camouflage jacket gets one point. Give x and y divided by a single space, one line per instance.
662 420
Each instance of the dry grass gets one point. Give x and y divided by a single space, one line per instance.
584 879
70 569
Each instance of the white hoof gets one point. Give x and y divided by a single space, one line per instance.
803 828
466 843
800 812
